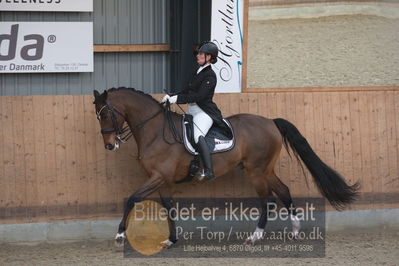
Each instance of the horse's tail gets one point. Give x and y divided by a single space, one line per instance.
330 184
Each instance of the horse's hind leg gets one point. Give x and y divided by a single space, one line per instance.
264 191
283 193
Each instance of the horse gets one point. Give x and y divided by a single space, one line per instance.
259 141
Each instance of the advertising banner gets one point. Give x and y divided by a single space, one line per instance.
37 47
227 33
47 5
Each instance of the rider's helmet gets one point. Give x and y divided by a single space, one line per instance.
211 49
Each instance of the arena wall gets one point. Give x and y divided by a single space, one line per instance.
53 166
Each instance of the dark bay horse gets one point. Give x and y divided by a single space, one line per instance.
258 144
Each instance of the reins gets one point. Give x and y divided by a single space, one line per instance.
128 132
172 126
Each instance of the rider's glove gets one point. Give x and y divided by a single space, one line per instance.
172 99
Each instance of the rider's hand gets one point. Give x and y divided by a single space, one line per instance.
171 99
165 98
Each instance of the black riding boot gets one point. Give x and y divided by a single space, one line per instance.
206 158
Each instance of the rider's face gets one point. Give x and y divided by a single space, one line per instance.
202 58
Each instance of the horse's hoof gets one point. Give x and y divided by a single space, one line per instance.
296 234
296 226
120 239
249 242
256 236
166 244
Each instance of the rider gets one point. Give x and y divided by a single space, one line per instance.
198 94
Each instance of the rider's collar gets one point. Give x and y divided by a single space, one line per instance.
202 67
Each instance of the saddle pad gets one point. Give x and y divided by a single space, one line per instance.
215 138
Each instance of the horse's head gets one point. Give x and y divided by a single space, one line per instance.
111 120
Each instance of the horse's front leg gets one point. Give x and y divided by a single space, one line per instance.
152 185
168 203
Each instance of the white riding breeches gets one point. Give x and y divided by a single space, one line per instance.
202 121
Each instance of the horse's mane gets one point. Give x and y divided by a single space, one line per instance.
142 93
136 91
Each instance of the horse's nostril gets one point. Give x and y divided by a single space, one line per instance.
109 147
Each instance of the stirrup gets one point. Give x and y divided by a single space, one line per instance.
201 176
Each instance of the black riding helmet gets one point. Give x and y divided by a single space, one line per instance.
211 49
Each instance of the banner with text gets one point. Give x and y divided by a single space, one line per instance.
227 33
47 5
35 47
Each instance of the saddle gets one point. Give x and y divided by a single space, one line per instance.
218 139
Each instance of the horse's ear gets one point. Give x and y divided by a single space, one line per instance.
100 98
96 96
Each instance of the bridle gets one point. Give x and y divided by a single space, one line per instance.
115 128
127 131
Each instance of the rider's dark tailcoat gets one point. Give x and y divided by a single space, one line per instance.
200 90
